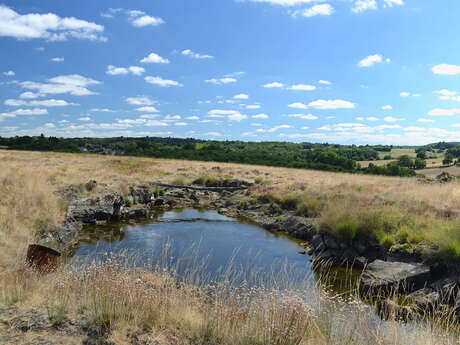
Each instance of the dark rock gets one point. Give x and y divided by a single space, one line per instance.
89 210
425 300
382 278
298 227
390 310
330 242
158 202
61 237
142 195
137 212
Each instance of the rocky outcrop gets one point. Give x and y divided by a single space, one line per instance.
384 278
91 210
325 248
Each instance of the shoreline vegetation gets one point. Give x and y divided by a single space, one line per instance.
403 214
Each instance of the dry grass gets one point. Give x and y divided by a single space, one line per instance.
114 299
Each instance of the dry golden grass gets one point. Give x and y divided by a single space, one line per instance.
112 297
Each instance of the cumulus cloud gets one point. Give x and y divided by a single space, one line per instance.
9 73
260 116
276 128
392 119
46 26
297 105
136 17
25 112
304 117
364 5
193 55
324 82
73 84
220 81
113 70
391 3
29 95
161 82
387 107
41 103
372 60
275 84
241 96
444 112
140 100
425 120
445 69
253 106
316 10
302 87
154 58
233 115
404 94
58 59
148 109
331 104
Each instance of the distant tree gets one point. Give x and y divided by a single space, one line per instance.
448 159
420 163
387 157
422 155
405 161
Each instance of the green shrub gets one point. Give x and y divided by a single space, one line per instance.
346 231
289 202
258 180
179 181
309 207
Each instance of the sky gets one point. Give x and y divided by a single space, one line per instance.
337 71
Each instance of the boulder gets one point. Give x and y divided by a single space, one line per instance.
142 195
299 227
426 300
382 278
390 310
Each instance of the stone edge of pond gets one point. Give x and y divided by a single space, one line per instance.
385 275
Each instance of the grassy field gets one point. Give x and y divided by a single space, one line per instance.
396 153
401 212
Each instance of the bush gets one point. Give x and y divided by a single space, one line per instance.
347 231
309 207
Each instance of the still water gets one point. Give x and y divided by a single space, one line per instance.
201 243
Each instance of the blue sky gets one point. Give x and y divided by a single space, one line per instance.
342 71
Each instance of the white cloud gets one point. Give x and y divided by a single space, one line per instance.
46 26
392 119
445 69
302 87
324 82
161 82
364 5
9 74
275 84
233 115
253 106
404 94
74 84
372 60
414 129
241 96
192 118
331 104
390 3
260 116
102 110
193 55
154 58
372 118
180 124
445 92
58 59
42 103
86 118
387 107
316 10
220 81
147 20
29 95
274 129
304 117
34 111
444 112
140 100
297 105
148 109
113 70
425 120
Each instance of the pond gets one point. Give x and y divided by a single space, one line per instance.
201 245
